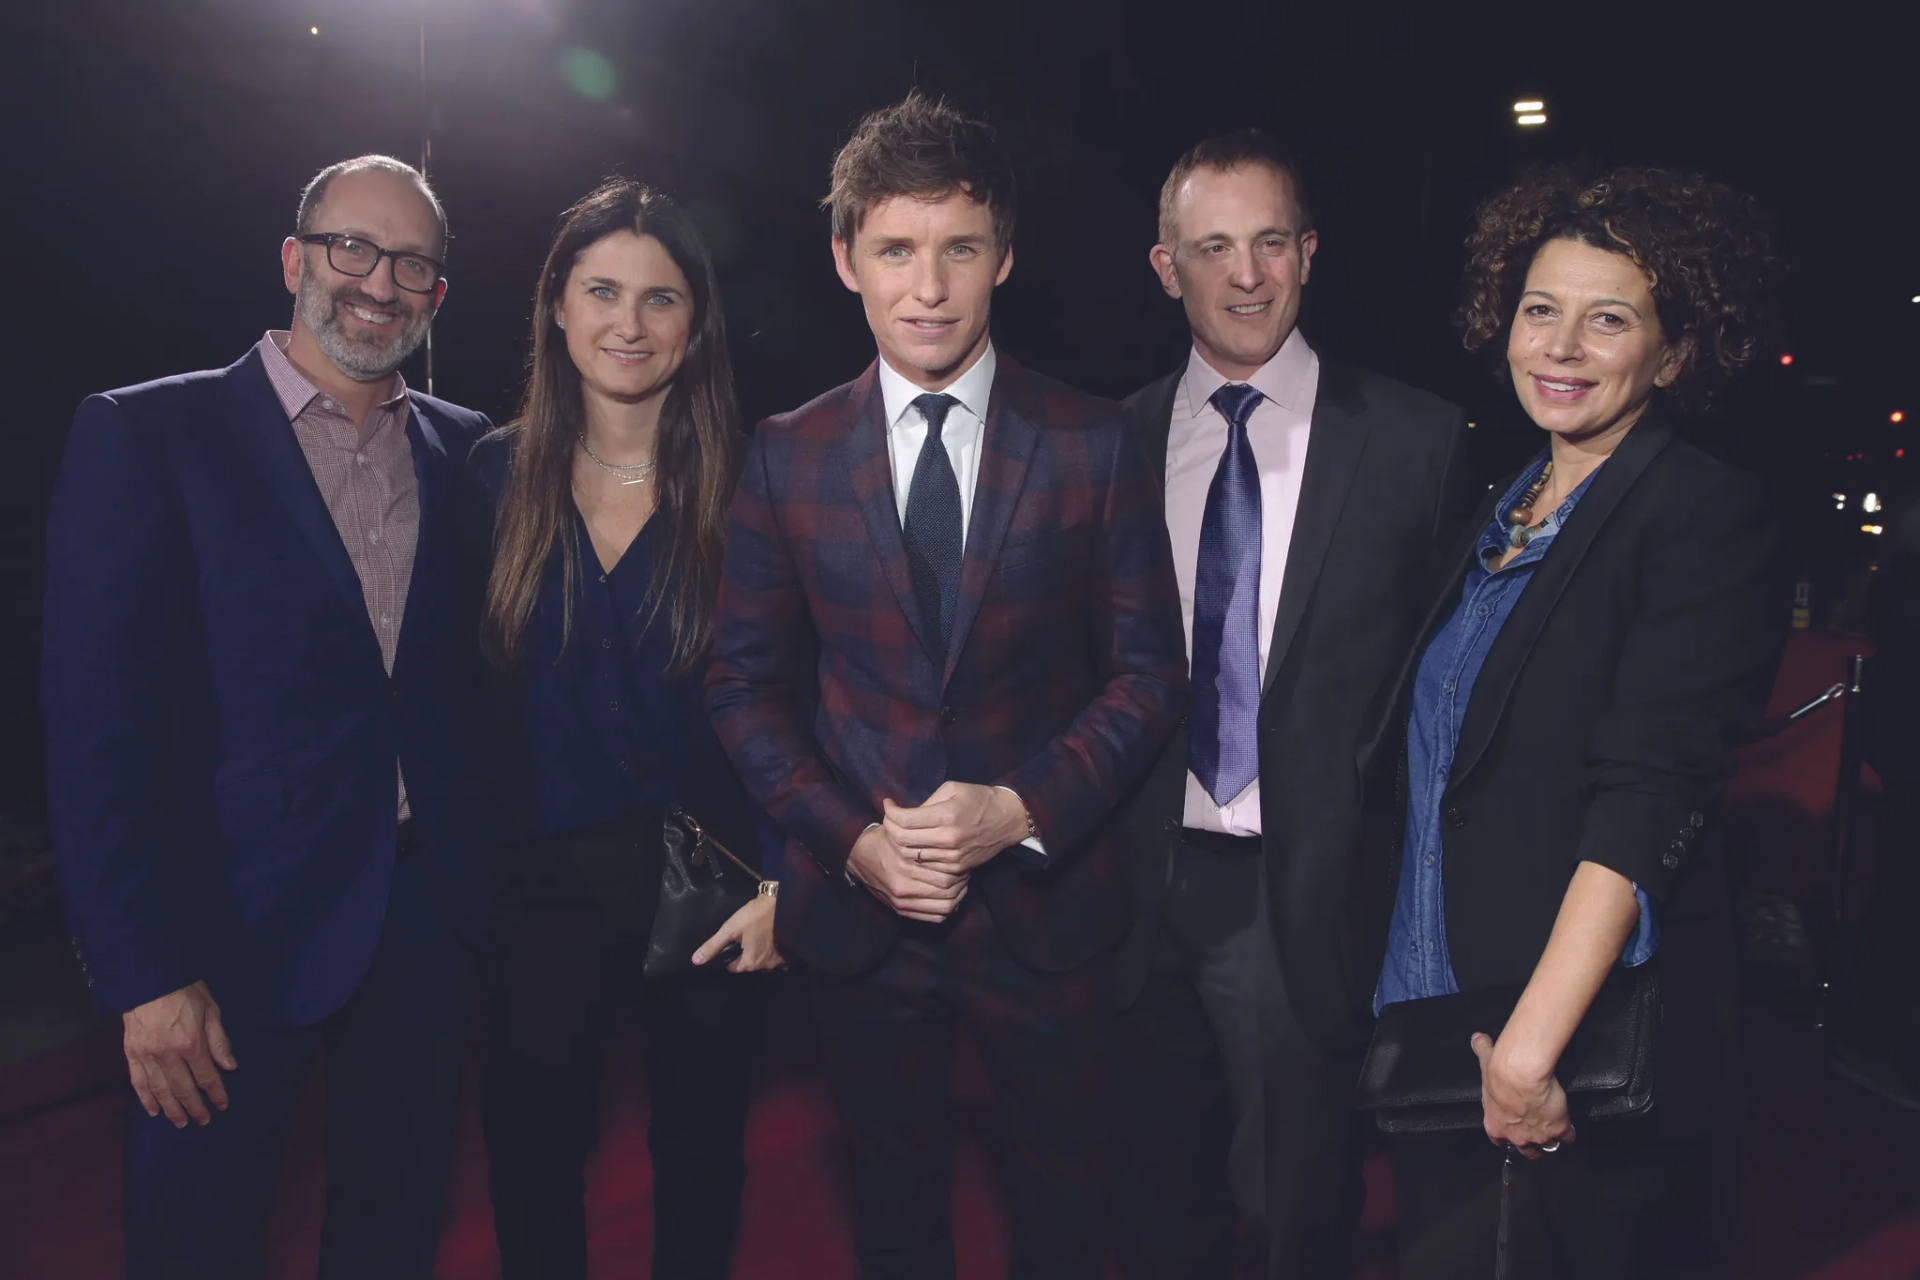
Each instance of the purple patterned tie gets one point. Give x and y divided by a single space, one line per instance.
1223 743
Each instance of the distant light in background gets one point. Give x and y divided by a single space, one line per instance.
1870 503
1529 120
1916 297
1896 416
1530 105
1899 453
1786 358
1871 528
1529 112
314 31
590 74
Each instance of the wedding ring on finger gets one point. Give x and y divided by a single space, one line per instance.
1551 1146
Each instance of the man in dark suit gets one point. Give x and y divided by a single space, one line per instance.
254 700
1305 501
969 562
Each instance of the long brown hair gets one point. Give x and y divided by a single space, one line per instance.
696 456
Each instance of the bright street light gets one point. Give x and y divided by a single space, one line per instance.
1521 108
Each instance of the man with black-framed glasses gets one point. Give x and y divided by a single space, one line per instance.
255 652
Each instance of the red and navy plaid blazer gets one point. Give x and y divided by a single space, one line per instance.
1066 673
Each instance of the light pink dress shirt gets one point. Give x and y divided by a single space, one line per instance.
365 475
1278 432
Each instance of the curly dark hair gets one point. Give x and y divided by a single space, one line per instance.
1705 248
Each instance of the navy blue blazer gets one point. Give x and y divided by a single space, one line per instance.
221 728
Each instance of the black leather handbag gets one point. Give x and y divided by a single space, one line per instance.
1421 1076
702 883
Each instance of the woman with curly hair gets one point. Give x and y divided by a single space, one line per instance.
1606 633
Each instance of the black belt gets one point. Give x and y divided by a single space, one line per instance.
1219 842
407 839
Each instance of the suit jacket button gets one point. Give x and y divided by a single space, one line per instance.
1696 820
1169 824
1670 860
946 715
1183 722
1456 817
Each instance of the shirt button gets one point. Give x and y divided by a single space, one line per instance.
373 535
603 577
605 643
360 458
1428 860
1486 610
1448 687
613 706
385 621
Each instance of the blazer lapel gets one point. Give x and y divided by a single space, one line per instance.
864 454
1151 412
1514 645
433 569
263 435
1006 448
1335 441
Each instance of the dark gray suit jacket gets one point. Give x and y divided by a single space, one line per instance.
1385 488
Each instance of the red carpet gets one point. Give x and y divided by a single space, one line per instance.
1825 1186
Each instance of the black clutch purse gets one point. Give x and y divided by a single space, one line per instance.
1420 1075
702 883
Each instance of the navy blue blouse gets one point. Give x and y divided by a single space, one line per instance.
607 725
592 723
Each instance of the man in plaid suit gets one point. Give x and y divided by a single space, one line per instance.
949 639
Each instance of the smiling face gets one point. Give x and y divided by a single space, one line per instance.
1586 349
1238 263
365 325
627 310
925 271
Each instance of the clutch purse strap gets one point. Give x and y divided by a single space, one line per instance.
702 836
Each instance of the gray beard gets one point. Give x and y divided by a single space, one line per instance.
360 360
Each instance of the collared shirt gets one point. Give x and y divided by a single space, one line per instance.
1197 436
962 432
366 478
1418 963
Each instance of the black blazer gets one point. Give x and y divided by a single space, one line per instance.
1602 729
1386 483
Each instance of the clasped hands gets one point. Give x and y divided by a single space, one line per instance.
1524 1105
918 860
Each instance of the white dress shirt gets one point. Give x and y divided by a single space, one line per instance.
962 433
1278 432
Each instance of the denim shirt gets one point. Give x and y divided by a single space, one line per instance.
1418 964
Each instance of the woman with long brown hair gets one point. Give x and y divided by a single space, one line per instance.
600 513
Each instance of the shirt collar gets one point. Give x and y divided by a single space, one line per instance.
973 389
292 387
1287 379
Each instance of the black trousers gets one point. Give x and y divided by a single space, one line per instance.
886 1040
1617 1202
1223 1100
569 943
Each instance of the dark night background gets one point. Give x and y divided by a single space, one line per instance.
154 152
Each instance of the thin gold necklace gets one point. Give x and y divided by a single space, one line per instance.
644 469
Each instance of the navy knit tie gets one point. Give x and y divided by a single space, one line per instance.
932 531
1223 743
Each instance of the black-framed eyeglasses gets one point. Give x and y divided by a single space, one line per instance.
352 255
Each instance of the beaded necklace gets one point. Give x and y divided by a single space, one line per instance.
1521 526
